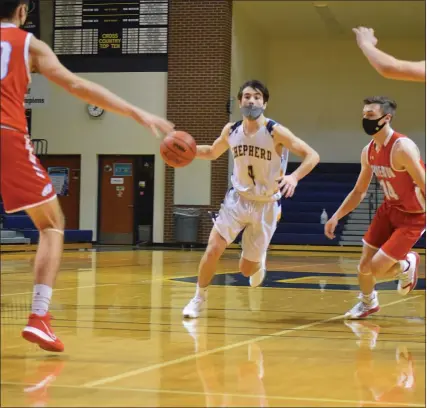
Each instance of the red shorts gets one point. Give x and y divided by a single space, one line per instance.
24 183
395 232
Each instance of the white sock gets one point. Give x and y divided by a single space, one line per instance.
41 299
201 292
369 298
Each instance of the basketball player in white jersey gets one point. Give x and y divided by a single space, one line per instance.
259 146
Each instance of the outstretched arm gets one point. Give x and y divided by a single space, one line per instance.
218 147
44 61
354 198
387 65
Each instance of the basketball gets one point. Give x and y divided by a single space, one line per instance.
178 149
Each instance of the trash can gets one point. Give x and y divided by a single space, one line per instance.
186 224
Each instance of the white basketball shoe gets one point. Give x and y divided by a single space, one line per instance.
257 279
194 307
408 279
364 308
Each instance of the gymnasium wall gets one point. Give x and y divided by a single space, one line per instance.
245 62
46 21
68 128
193 94
199 70
317 100
317 89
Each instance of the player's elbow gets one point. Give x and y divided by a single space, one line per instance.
77 86
214 155
388 72
315 158
312 157
359 193
389 69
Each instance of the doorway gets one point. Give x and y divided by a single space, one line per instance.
125 199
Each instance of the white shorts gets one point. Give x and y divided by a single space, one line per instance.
259 219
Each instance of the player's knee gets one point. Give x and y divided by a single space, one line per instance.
52 221
214 250
48 216
216 246
364 267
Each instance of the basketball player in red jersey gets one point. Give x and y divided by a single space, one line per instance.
400 220
25 185
386 65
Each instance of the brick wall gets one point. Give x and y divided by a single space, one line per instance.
198 89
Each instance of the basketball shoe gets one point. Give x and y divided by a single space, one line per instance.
257 279
39 331
365 307
194 307
408 279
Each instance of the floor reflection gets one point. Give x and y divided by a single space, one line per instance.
378 381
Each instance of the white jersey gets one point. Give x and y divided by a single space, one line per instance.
257 165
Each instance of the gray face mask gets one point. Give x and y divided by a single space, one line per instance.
251 112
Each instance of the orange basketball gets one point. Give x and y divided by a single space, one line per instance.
178 149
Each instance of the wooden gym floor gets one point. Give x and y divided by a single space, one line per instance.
285 344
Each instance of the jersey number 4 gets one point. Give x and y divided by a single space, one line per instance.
6 50
388 190
251 173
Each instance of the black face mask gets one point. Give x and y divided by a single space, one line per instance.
371 126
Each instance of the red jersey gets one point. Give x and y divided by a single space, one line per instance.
400 191
15 76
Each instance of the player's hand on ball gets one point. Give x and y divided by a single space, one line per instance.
330 227
287 185
156 124
365 36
